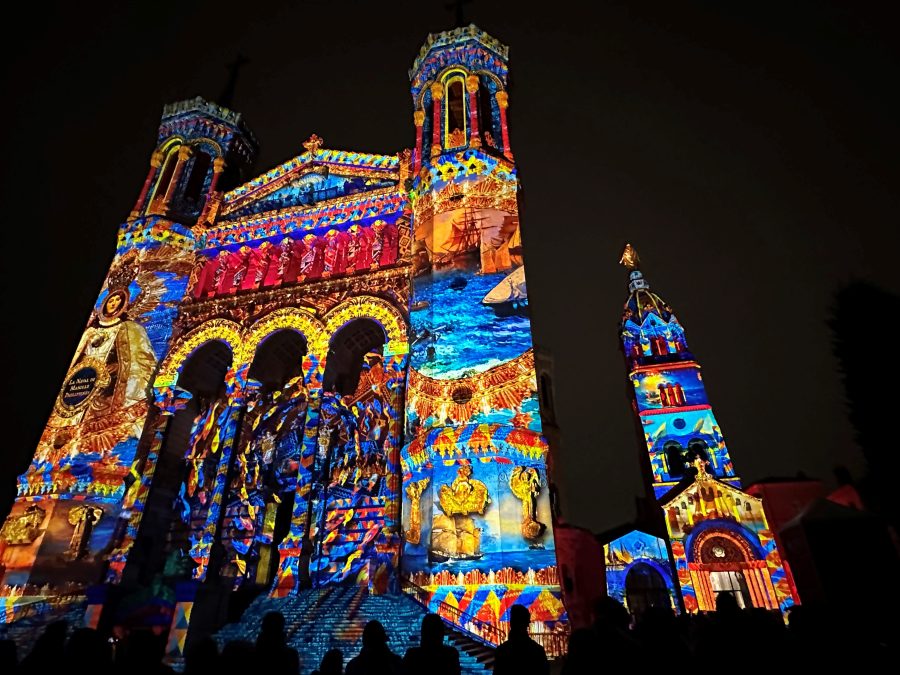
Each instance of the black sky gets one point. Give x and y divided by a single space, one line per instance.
749 152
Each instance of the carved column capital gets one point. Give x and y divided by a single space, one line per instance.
472 84
218 165
419 117
502 99
437 91
184 152
156 159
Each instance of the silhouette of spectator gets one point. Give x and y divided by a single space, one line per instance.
332 663
375 657
88 652
658 629
272 650
47 653
142 654
520 655
432 655
9 657
238 657
608 634
201 655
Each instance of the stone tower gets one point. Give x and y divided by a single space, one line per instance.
477 512
718 535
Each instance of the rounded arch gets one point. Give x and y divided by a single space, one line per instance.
213 145
348 349
646 586
379 310
704 531
169 150
170 144
220 330
491 76
291 318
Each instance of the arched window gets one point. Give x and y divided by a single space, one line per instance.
645 588
197 179
428 124
697 448
486 113
166 172
456 129
674 458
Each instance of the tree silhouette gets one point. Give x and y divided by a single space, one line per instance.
860 321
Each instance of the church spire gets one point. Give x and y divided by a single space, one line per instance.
226 98
631 260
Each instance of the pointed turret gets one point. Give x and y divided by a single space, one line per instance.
718 535
649 330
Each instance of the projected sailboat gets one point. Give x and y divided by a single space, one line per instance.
463 243
510 296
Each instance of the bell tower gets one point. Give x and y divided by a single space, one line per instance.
719 536
477 514
670 401
202 150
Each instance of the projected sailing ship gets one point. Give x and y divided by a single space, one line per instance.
510 296
461 250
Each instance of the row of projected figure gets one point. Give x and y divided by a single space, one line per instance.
455 534
269 265
347 463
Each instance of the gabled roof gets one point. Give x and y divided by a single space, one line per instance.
338 162
691 485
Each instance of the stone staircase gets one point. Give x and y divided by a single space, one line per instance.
319 619
25 629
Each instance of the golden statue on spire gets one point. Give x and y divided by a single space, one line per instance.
312 144
630 258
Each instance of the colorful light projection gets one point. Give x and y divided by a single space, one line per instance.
477 520
674 412
70 497
722 543
674 439
719 537
639 573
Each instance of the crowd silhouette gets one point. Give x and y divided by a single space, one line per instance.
743 639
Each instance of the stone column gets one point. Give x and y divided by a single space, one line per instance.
184 153
503 103
202 550
295 550
437 93
156 160
218 168
472 88
419 119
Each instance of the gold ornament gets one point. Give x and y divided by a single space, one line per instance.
464 495
630 258
525 483
25 528
414 492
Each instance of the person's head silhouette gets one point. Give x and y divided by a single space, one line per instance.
374 636
432 630
726 605
519 618
332 663
273 623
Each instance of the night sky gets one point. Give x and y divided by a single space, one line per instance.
748 152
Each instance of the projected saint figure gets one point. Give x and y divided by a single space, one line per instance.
454 534
83 517
525 483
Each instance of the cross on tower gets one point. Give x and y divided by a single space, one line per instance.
457 6
227 96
